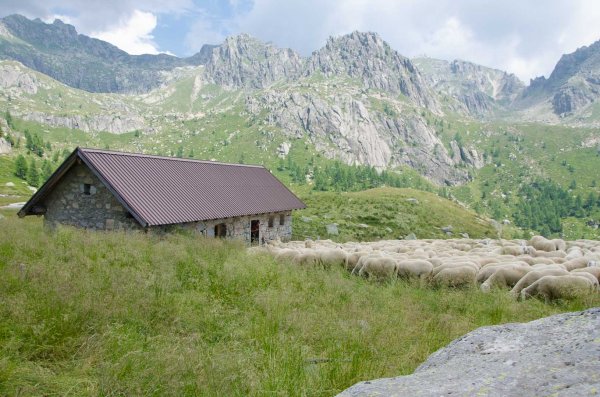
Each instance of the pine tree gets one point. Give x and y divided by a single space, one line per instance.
21 167
46 170
33 177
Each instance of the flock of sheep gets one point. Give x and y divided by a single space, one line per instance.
550 269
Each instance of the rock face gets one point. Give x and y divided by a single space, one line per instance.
573 84
557 355
5 146
116 124
347 128
367 57
245 62
478 89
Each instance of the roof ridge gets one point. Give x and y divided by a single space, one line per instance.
131 154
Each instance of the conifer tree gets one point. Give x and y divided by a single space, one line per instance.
21 167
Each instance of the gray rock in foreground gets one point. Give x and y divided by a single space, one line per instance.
557 355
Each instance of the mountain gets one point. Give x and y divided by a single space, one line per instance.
366 57
245 62
478 89
572 87
82 62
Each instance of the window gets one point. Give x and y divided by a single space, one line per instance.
271 221
87 188
281 220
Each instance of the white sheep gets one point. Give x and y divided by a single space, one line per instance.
542 244
332 257
455 276
414 268
534 275
593 270
577 263
505 277
379 268
559 287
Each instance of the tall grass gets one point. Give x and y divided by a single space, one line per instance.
90 313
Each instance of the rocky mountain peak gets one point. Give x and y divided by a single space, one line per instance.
573 84
366 56
243 61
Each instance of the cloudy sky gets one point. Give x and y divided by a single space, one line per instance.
525 37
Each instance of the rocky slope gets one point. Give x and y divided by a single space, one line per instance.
557 355
479 90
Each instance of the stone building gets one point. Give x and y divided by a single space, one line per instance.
105 190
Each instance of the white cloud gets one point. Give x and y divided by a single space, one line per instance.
133 34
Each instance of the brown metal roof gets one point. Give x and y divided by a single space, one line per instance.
165 190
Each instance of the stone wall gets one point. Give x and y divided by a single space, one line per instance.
95 207
239 227
69 203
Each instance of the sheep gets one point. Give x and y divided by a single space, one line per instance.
379 268
505 277
415 268
307 258
487 271
514 250
542 244
362 260
551 254
352 259
451 265
455 276
595 271
285 255
559 287
559 244
576 263
332 257
534 275
593 279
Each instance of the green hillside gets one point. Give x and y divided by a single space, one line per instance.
387 213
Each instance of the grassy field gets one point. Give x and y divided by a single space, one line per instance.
89 313
385 213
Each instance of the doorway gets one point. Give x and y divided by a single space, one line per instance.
220 230
254 232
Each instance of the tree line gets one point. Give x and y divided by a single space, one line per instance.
543 205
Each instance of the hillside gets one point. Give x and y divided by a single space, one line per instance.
106 313
386 213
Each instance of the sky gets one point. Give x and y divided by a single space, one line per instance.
524 37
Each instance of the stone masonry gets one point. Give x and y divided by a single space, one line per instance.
70 204
80 199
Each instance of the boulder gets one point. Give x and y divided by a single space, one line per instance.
332 229
556 355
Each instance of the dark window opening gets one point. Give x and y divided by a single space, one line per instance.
281 220
87 189
220 230
271 221
254 232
